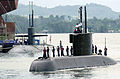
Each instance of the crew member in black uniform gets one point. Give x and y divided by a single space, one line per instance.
62 51
58 50
44 52
67 50
92 48
100 52
53 50
71 50
105 51
48 52
95 49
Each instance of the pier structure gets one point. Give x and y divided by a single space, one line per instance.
7 29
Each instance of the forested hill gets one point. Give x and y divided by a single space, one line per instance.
94 10
59 24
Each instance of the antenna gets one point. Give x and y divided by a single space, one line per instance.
85 20
32 15
105 42
29 15
80 16
29 7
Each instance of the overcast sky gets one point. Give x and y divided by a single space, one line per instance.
114 4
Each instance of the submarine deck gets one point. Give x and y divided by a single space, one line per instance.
59 63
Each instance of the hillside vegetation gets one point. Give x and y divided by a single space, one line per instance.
64 24
94 10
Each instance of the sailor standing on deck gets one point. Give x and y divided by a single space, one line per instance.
58 50
78 28
53 50
62 51
92 48
67 50
100 52
105 51
44 52
60 43
71 50
48 52
21 41
25 41
95 49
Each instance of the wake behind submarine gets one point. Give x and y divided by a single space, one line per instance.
82 54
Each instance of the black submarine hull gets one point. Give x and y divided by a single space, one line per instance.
82 57
60 63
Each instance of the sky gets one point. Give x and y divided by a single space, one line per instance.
113 4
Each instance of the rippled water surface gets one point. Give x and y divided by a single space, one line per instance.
15 65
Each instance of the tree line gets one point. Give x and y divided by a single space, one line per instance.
64 24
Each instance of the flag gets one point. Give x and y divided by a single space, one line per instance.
50 38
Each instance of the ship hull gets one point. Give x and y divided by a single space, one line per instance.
61 63
7 6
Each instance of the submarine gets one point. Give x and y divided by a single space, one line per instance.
82 54
82 57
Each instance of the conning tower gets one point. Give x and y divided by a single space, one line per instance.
31 30
82 42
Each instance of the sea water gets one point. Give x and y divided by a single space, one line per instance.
15 65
